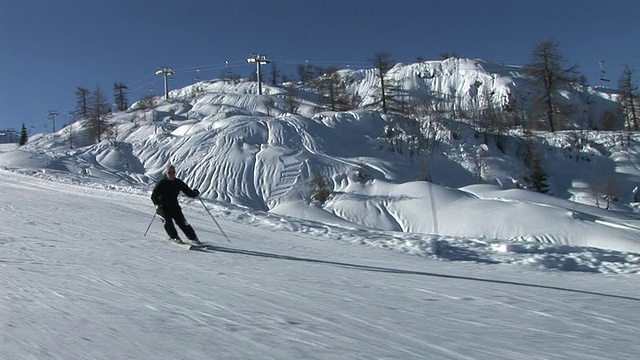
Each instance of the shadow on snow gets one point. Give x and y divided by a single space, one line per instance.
214 248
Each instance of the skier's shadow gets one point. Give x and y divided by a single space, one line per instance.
215 248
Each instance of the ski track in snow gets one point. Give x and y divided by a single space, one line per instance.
80 282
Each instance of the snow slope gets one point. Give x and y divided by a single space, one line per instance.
79 281
266 162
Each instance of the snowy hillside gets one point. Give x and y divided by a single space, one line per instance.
241 148
467 85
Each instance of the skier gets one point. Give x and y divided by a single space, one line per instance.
165 198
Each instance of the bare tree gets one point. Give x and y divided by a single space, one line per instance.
383 62
99 109
607 190
275 73
82 102
320 188
399 100
147 102
120 93
547 76
361 172
629 100
449 55
70 135
269 104
329 82
333 90
291 104
308 72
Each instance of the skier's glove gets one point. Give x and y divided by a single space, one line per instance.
196 193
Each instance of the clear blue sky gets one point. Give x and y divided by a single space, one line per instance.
48 48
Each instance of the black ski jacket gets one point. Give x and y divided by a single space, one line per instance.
166 192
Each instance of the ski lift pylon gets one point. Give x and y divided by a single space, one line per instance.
603 74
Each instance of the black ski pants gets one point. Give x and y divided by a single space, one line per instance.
175 214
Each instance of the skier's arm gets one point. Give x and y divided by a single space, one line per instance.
156 198
187 190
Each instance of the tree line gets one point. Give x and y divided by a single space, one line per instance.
543 108
94 108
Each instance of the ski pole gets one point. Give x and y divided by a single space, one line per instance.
214 220
150 222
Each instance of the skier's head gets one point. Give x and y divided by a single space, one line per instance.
170 173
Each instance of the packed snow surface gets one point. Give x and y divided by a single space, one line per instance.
79 281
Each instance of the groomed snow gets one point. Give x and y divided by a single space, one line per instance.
79 281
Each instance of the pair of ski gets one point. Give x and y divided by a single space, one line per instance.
190 246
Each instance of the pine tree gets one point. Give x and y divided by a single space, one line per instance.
23 136
539 178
